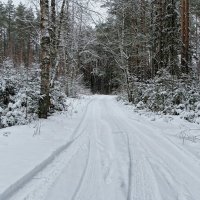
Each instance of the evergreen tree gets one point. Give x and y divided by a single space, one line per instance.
10 15
185 35
2 31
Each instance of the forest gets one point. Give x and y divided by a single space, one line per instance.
100 100
145 51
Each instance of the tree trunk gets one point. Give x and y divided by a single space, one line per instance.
57 41
185 35
53 33
44 101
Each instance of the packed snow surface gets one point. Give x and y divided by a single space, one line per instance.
111 153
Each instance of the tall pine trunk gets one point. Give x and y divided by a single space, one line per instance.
185 35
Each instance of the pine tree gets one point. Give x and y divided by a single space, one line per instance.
185 35
171 38
20 29
2 32
10 12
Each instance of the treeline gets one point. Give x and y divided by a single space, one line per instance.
142 46
18 33
138 39
41 57
142 37
150 52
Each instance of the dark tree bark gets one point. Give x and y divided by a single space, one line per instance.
53 33
185 35
44 101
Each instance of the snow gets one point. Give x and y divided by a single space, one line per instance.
22 148
111 151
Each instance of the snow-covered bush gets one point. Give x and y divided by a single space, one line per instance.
57 98
20 93
169 95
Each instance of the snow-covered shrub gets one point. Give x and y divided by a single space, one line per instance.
20 93
57 98
169 95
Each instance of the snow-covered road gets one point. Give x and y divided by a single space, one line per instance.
118 155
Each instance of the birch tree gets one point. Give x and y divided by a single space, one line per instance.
44 101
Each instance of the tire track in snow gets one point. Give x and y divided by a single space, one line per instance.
143 165
39 186
139 187
117 124
20 187
138 183
83 176
85 188
129 187
177 177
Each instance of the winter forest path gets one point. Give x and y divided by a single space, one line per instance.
117 156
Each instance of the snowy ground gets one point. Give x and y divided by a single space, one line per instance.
113 154
24 148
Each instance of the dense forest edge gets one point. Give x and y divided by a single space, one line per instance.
145 51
